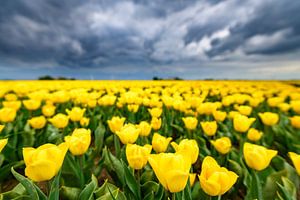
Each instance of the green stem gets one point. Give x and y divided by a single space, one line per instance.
81 175
219 197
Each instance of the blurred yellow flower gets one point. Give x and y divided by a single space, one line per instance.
215 180
296 161
133 107
190 122
222 145
209 128
137 156
116 123
192 178
76 114
244 110
128 134
37 122
12 104
48 110
32 104
84 121
156 123
145 128
242 123
44 162
160 143
269 118
3 142
187 148
257 157
7 114
295 121
59 120
295 104
79 141
254 134
1 127
155 112
219 115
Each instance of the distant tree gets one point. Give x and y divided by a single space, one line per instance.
155 78
46 77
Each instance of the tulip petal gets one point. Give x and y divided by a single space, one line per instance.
41 170
176 180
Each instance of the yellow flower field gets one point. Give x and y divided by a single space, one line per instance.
149 140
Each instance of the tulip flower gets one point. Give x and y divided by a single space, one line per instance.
3 142
242 123
295 104
156 123
84 121
128 134
269 118
145 128
254 135
190 122
79 141
171 169
192 178
295 121
48 110
32 104
37 122
116 123
244 110
215 180
296 161
209 128
222 145
160 143
187 148
44 162
155 112
76 114
137 156
59 120
1 127
219 115
133 108
7 114
257 157
12 104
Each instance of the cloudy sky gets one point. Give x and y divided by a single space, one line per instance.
105 39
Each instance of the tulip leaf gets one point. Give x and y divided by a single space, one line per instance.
109 191
28 184
160 193
70 193
287 189
255 190
88 192
271 187
117 145
187 194
131 182
99 137
54 190
149 187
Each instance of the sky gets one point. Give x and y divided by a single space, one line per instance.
119 39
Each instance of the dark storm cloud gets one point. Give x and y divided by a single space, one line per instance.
153 34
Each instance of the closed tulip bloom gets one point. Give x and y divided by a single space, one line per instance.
133 108
7 114
44 162
3 142
254 134
156 123
192 178
295 121
116 123
219 115
84 121
295 105
79 141
187 148
160 143
242 123
76 114
145 128
209 128
258 157
244 110
32 104
11 97
284 107
222 145
172 170
48 110
37 122
215 180
190 122
59 120
128 134
137 156
155 112
1 127
296 161
269 118
12 104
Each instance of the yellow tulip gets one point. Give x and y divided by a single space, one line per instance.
11 97
296 161
145 128
32 104
37 122
128 134
160 143
76 114
172 170
137 156
115 124
258 157
12 104
284 107
187 148
1 127
190 122
295 104
84 121
79 141
7 114
133 108
219 115
209 128
215 180
155 112
59 120
295 121
156 123
192 178
44 162
222 145
254 135
48 110
3 142
269 118
242 123
232 114
244 110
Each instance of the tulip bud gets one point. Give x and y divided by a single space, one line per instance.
254 135
48 110
37 122
155 112
32 104
160 143
79 141
296 161
76 114
156 123
137 156
269 118
295 122
209 128
128 134
190 122
222 145
145 128
59 120
115 124
187 148
219 115
242 123
7 114
84 121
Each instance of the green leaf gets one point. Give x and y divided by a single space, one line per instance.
131 182
54 190
255 190
117 145
88 192
28 184
99 137
287 190
271 187
149 187
70 193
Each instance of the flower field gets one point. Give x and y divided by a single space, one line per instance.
150 140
